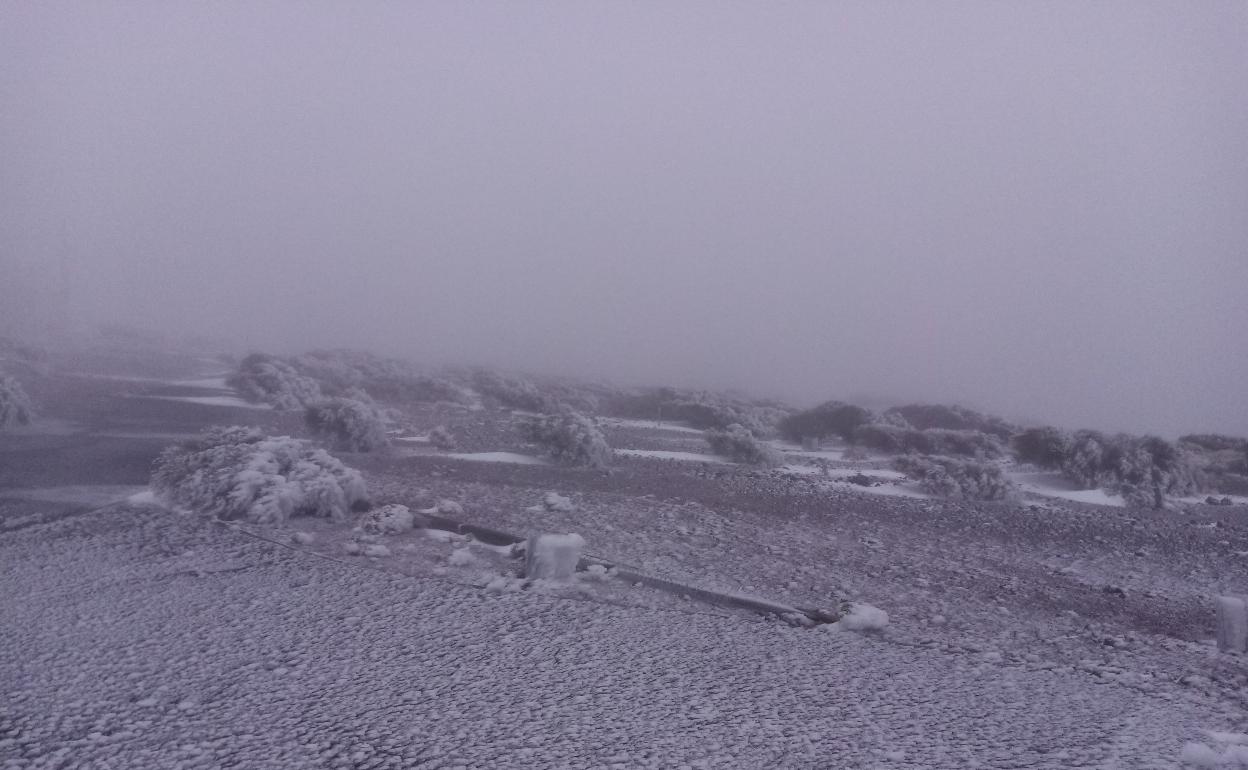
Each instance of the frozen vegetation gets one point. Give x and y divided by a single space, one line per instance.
569 438
956 478
15 406
348 424
740 445
239 473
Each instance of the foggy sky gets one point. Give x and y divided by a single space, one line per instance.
1037 208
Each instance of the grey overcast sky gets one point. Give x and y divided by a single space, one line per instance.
1037 208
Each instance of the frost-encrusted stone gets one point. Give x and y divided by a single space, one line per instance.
1232 614
557 502
862 617
552 557
389 520
450 508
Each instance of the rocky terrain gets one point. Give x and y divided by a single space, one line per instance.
1041 632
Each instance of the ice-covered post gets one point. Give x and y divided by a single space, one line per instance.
552 557
1232 624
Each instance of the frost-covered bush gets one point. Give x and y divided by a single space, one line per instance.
739 445
928 416
1214 442
1144 470
513 392
832 418
262 377
935 441
960 479
347 424
569 437
15 406
1045 447
239 473
1151 469
442 438
700 409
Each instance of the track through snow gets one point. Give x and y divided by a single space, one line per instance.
146 639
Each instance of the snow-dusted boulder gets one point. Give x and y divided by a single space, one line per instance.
862 617
557 502
552 557
389 520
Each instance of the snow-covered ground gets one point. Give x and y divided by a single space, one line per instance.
172 644
1046 634
663 454
497 457
1054 485
223 400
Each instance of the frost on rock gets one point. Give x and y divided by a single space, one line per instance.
389 520
861 617
556 502
552 557
15 408
239 473
449 508
1232 619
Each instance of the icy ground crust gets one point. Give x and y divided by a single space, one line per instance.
155 641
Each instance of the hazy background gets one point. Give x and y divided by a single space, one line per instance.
1038 208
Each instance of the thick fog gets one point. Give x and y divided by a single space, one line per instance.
1040 209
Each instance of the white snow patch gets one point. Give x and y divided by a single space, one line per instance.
230 401
441 535
1056 485
102 494
663 454
412 439
497 457
651 425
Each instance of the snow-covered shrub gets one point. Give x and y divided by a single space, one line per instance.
568 437
513 392
960 479
832 418
349 425
934 441
1045 447
269 379
1150 469
239 473
1214 442
928 416
15 406
700 409
441 438
739 445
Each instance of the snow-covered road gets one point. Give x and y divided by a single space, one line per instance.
137 639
